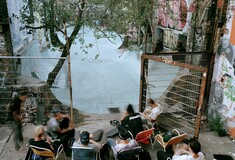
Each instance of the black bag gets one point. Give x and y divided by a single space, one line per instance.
106 153
222 157
144 155
130 154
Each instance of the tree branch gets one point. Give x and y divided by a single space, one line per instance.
78 24
40 27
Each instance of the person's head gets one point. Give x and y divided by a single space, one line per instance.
130 109
64 124
151 102
194 146
39 132
183 144
85 137
23 93
58 114
123 134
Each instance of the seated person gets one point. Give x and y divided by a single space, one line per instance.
132 121
39 139
151 115
124 144
193 152
161 155
86 140
53 128
65 135
53 125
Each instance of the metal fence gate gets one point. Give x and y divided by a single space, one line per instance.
32 72
171 80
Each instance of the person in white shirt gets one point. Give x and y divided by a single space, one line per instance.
193 152
151 115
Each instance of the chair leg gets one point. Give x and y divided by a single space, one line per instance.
152 141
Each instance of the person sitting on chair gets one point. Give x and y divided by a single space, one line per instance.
193 152
39 140
53 125
170 150
86 140
65 135
151 115
132 121
124 144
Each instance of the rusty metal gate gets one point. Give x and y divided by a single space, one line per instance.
178 86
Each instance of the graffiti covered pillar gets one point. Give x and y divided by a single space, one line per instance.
222 97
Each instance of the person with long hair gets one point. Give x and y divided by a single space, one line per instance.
132 121
151 115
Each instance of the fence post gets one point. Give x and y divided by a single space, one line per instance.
201 97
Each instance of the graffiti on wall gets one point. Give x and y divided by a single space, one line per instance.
172 14
223 87
170 39
222 95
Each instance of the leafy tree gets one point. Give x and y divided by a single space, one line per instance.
104 16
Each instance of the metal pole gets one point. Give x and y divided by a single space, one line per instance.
69 76
201 98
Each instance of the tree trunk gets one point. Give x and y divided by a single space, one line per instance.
124 43
52 75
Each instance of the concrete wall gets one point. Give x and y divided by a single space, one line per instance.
19 34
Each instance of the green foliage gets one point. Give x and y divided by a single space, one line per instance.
216 124
111 16
108 18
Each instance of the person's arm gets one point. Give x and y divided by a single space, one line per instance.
124 121
181 157
147 112
16 116
181 152
124 115
49 141
96 144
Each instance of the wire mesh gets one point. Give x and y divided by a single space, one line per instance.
32 72
174 86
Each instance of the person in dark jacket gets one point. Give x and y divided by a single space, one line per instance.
66 135
15 112
42 141
132 121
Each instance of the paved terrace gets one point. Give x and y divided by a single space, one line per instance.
211 143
